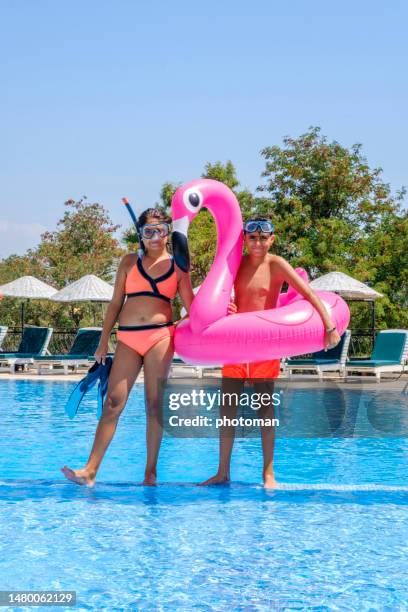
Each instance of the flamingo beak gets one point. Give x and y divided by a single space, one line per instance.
179 242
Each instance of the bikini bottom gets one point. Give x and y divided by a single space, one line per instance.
141 338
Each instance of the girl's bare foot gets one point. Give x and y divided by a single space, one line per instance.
81 477
217 479
150 479
269 480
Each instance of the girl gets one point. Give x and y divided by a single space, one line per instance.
143 290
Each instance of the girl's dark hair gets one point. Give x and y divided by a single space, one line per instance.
157 213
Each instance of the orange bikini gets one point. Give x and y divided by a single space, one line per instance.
142 338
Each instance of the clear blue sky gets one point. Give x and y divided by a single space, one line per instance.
111 98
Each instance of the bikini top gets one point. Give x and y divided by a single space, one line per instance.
139 282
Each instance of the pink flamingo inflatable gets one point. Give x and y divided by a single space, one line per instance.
209 336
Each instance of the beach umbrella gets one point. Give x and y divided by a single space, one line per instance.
346 286
350 289
29 288
89 288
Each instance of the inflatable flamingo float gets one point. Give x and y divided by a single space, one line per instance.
209 336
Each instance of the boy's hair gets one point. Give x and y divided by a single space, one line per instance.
257 218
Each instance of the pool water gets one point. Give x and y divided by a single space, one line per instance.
335 540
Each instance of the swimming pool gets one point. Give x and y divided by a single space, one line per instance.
182 547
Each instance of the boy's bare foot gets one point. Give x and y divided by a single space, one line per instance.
150 479
269 481
81 477
214 480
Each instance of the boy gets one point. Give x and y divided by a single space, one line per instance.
257 287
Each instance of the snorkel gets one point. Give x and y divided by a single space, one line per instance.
132 215
135 222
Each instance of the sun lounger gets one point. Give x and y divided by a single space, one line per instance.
81 353
180 369
389 354
34 343
333 360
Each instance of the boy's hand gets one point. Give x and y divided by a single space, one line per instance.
331 339
231 308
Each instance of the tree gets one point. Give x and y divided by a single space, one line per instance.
387 252
324 199
331 211
225 173
83 244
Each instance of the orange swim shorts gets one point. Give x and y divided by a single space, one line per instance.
259 369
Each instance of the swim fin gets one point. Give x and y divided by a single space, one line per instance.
84 385
103 385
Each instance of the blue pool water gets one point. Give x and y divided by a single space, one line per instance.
336 541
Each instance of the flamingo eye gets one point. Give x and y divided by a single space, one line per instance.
193 199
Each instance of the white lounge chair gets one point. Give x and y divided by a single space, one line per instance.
389 354
34 343
333 360
180 369
81 353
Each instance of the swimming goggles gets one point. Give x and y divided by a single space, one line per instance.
150 229
262 226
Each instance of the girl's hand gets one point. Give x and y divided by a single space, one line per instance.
232 308
331 339
101 352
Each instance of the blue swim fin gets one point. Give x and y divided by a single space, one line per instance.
71 407
103 384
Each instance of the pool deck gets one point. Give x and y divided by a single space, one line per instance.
388 381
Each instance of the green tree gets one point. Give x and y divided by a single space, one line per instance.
325 201
387 253
166 194
330 209
19 265
83 243
225 173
